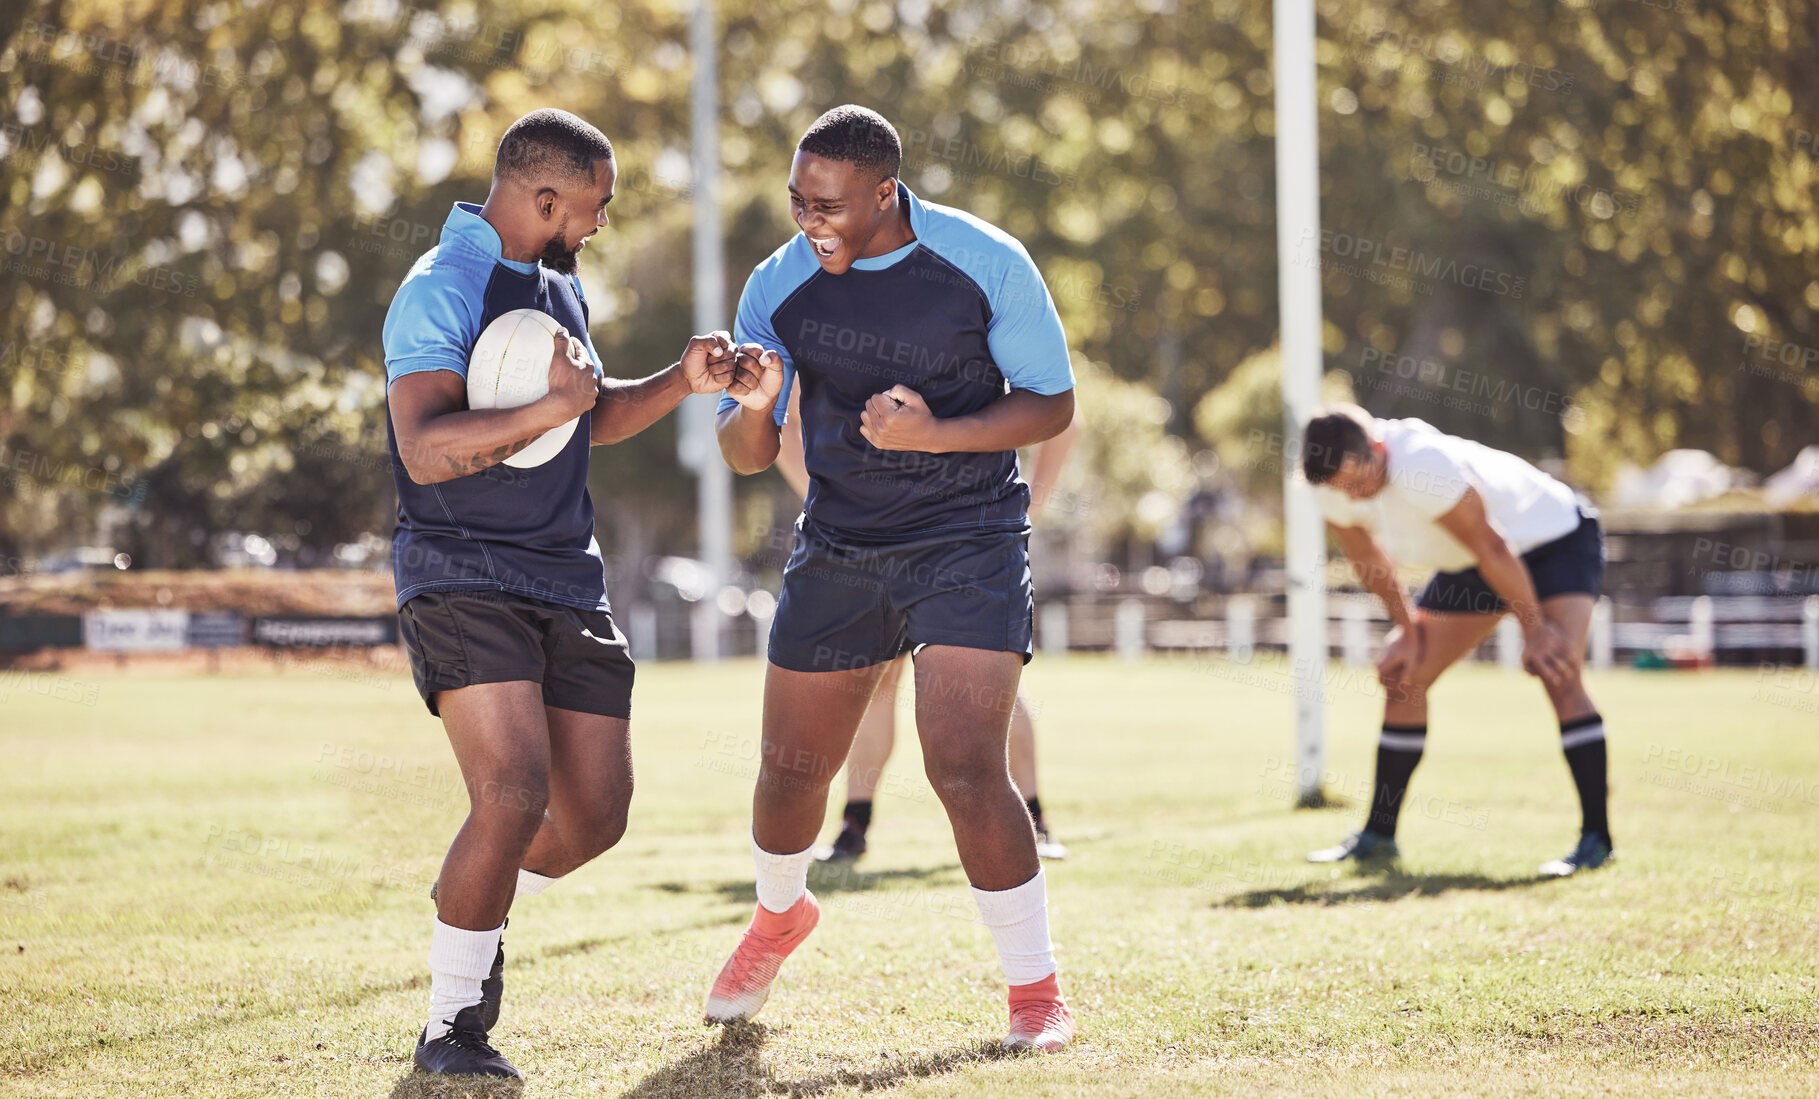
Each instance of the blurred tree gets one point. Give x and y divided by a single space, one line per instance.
1572 224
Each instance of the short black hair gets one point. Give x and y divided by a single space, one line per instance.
1335 432
550 146
857 135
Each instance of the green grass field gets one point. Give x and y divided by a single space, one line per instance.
217 886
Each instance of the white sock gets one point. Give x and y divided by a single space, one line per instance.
1018 919
782 879
530 884
458 961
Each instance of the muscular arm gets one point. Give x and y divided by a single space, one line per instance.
748 439
625 408
1048 461
1375 571
1019 418
1497 563
440 438
899 419
792 461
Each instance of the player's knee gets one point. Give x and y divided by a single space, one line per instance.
1409 690
518 795
1567 690
602 830
963 777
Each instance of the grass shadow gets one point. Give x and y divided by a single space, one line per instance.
435 1085
846 877
44 1060
1389 884
733 1066
900 1069
824 878
589 945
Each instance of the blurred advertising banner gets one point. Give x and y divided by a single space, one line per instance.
135 631
302 632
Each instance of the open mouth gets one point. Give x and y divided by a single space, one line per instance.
825 247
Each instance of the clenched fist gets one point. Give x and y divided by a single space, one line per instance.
757 377
899 419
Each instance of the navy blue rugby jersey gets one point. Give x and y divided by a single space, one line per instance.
525 531
960 315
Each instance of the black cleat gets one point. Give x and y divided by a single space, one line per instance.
492 990
1592 851
1047 846
1361 846
848 845
463 1050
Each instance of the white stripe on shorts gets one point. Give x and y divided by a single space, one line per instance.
1402 742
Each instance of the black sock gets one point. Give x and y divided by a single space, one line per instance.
1035 808
1582 739
1398 751
858 815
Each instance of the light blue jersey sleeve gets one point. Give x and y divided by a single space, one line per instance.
770 284
1024 335
432 323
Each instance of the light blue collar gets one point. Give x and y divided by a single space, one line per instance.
466 226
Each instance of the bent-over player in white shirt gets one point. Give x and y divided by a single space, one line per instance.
1506 538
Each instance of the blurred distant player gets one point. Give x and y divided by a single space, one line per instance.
501 591
927 350
1507 539
877 734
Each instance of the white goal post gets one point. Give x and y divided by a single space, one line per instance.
1298 287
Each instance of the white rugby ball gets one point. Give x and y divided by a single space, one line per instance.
509 367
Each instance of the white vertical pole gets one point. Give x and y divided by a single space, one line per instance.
1809 631
714 481
1702 627
1509 644
1240 629
1298 288
1355 633
1127 630
1603 645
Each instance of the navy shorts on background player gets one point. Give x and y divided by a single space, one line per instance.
1571 564
458 639
852 604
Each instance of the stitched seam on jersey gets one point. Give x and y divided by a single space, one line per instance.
793 294
492 573
971 281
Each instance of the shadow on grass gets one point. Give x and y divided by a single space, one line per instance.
588 946
44 1060
824 878
434 1085
1387 885
733 1065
